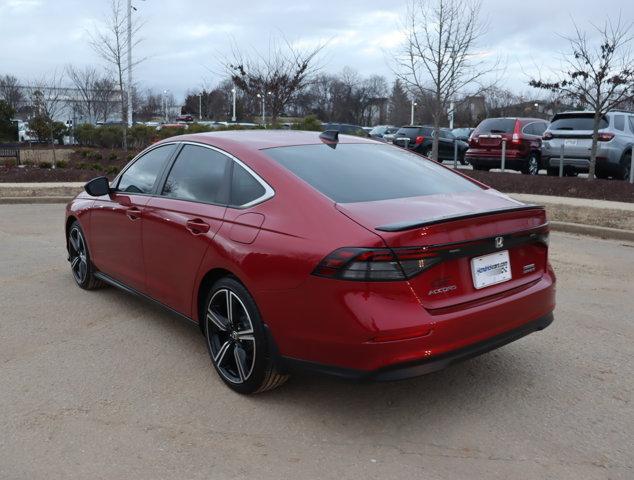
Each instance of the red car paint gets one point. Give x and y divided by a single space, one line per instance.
151 243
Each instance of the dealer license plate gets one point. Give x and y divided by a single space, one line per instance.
491 269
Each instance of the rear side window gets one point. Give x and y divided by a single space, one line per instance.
198 175
576 122
631 119
244 187
141 175
367 172
619 122
496 125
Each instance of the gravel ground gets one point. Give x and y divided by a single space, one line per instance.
102 385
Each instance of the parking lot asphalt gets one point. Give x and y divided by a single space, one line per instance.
102 385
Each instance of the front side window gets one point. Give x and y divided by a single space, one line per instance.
361 172
141 175
198 175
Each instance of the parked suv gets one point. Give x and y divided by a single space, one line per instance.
421 138
523 144
573 130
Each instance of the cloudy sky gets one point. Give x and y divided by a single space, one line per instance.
183 39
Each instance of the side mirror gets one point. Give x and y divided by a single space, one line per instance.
98 187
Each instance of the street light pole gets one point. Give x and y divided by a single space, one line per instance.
200 106
165 105
411 120
129 63
233 116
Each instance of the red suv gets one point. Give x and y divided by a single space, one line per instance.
523 137
331 253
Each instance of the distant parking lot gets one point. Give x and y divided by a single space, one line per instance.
103 385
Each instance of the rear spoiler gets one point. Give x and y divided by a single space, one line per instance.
402 226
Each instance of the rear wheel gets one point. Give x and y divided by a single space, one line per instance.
79 257
532 165
236 339
626 165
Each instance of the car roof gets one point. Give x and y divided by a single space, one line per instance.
260 139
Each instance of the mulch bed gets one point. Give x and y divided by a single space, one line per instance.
615 190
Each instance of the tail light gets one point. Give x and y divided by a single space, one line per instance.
473 140
376 264
605 136
419 139
394 264
516 133
547 136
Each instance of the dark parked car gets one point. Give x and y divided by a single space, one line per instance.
462 133
381 130
324 252
346 128
523 137
421 138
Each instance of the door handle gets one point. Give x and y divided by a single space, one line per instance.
197 226
133 213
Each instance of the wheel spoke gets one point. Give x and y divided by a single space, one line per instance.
222 353
74 263
229 307
241 359
73 240
246 335
217 320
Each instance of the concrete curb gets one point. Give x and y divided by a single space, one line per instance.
33 200
593 231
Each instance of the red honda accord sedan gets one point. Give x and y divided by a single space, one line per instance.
322 252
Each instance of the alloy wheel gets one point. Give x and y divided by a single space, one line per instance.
78 258
533 165
230 336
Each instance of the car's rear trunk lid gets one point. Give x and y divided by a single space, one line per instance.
460 228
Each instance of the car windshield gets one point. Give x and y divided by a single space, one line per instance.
368 172
378 130
497 125
576 122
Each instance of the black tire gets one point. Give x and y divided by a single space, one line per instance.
626 165
552 172
532 165
236 341
481 168
79 258
426 152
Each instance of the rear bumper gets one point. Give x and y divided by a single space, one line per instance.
422 366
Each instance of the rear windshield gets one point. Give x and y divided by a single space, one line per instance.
367 172
414 131
576 122
497 125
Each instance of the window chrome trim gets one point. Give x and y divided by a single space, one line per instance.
269 192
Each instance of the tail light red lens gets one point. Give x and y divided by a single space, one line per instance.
419 139
376 264
605 136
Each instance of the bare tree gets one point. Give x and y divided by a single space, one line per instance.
438 56
599 76
84 81
10 91
48 102
105 97
277 74
111 44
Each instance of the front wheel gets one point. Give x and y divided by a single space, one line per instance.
236 339
79 258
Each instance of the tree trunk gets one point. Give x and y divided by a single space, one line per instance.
593 150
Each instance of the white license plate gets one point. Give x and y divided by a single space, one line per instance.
491 269
570 143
